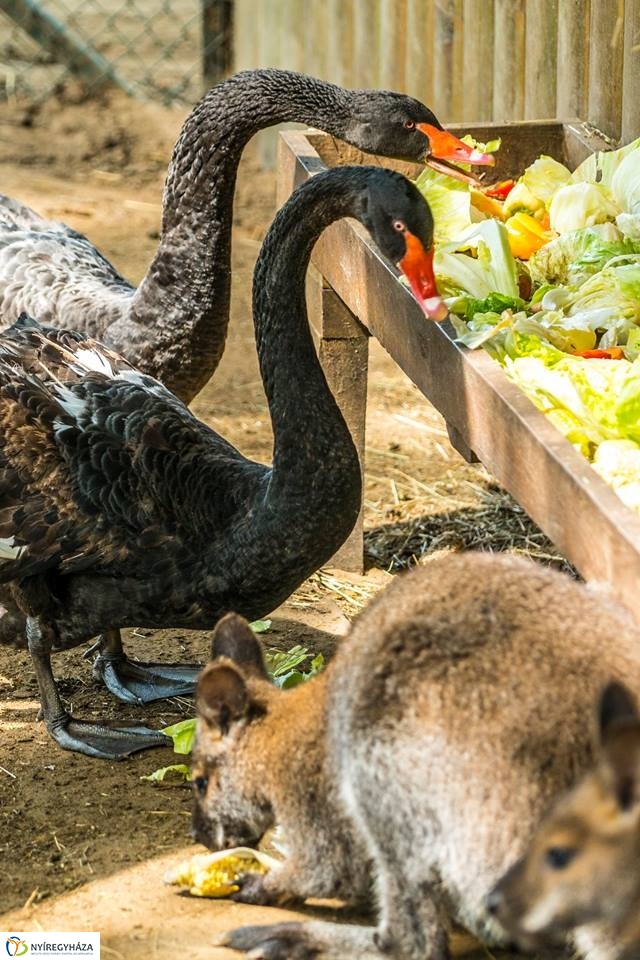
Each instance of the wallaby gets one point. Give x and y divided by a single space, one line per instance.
420 760
581 872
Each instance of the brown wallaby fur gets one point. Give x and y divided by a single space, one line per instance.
420 760
581 872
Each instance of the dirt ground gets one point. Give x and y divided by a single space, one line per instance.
94 831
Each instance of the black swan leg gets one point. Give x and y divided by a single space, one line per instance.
135 681
93 739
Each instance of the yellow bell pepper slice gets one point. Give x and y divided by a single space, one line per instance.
485 204
525 235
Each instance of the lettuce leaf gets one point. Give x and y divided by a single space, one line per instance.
625 183
544 177
490 269
579 205
601 165
608 302
578 396
618 463
577 254
450 202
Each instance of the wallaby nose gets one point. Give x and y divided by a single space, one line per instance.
494 900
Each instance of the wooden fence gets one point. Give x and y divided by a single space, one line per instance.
491 60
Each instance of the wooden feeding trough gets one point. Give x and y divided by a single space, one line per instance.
356 294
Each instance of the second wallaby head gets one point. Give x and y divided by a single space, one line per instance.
582 866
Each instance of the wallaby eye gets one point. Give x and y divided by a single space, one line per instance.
559 857
201 784
409 124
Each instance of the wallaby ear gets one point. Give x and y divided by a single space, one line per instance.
234 639
222 697
617 705
619 722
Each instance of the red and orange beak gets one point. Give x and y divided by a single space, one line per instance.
446 150
417 266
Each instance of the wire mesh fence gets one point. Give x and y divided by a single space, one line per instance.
166 50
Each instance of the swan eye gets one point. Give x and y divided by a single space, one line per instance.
400 226
409 124
201 784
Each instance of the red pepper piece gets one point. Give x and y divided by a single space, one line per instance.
500 190
613 353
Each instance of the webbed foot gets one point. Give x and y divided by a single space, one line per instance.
135 681
100 740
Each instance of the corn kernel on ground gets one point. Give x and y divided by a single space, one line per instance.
216 874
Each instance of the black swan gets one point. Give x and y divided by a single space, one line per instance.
120 508
173 326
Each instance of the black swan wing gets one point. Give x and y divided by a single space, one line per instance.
99 465
50 271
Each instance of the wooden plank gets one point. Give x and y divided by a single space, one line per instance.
477 60
392 44
245 36
528 456
340 43
343 351
631 72
447 60
541 27
522 143
419 72
508 60
606 31
365 42
573 59
312 18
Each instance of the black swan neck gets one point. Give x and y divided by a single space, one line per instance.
188 284
314 455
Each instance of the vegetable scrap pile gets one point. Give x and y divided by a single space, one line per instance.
544 274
